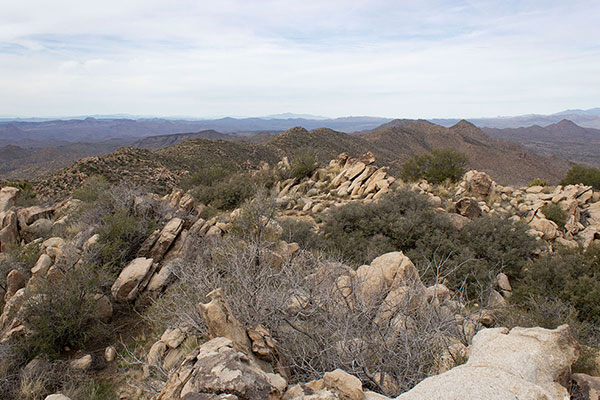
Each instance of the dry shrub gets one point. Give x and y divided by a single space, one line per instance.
320 333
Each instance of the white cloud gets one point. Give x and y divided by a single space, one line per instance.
389 58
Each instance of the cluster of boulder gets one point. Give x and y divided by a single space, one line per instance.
478 194
18 223
344 179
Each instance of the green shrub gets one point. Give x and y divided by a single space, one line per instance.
406 221
121 235
572 276
438 166
27 195
301 232
91 189
58 313
586 175
303 164
231 192
539 182
206 177
555 213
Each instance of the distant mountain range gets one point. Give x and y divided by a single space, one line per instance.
34 148
175 156
585 118
564 138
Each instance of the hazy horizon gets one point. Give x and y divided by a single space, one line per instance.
431 59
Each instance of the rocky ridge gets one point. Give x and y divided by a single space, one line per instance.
232 364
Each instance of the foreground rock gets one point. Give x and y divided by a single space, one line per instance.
216 369
525 363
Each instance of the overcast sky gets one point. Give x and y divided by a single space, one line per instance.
410 59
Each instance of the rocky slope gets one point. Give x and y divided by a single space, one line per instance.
232 360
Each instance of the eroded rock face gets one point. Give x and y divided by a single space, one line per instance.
525 363
217 369
127 285
467 208
479 183
8 197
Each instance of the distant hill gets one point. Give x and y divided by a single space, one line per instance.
564 138
391 143
56 132
507 162
162 141
585 118
19 163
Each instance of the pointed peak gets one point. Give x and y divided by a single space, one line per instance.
462 124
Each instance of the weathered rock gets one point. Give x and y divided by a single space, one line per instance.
83 363
110 354
57 396
586 387
479 183
40 228
29 215
467 208
166 238
156 353
163 278
9 231
8 197
458 220
525 363
103 309
127 285
15 280
173 337
216 368
547 227
346 386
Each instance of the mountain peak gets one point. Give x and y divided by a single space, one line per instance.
462 124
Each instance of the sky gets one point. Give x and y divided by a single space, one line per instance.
196 58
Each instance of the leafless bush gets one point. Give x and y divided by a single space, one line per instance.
315 328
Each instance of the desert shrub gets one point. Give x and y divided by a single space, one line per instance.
573 276
538 182
402 220
121 235
207 177
494 243
42 378
438 166
585 175
301 232
303 164
407 222
555 213
27 195
122 223
317 338
59 313
233 190
92 189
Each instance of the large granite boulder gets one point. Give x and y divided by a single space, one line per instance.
525 363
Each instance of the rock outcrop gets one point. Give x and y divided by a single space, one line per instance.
217 369
523 363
